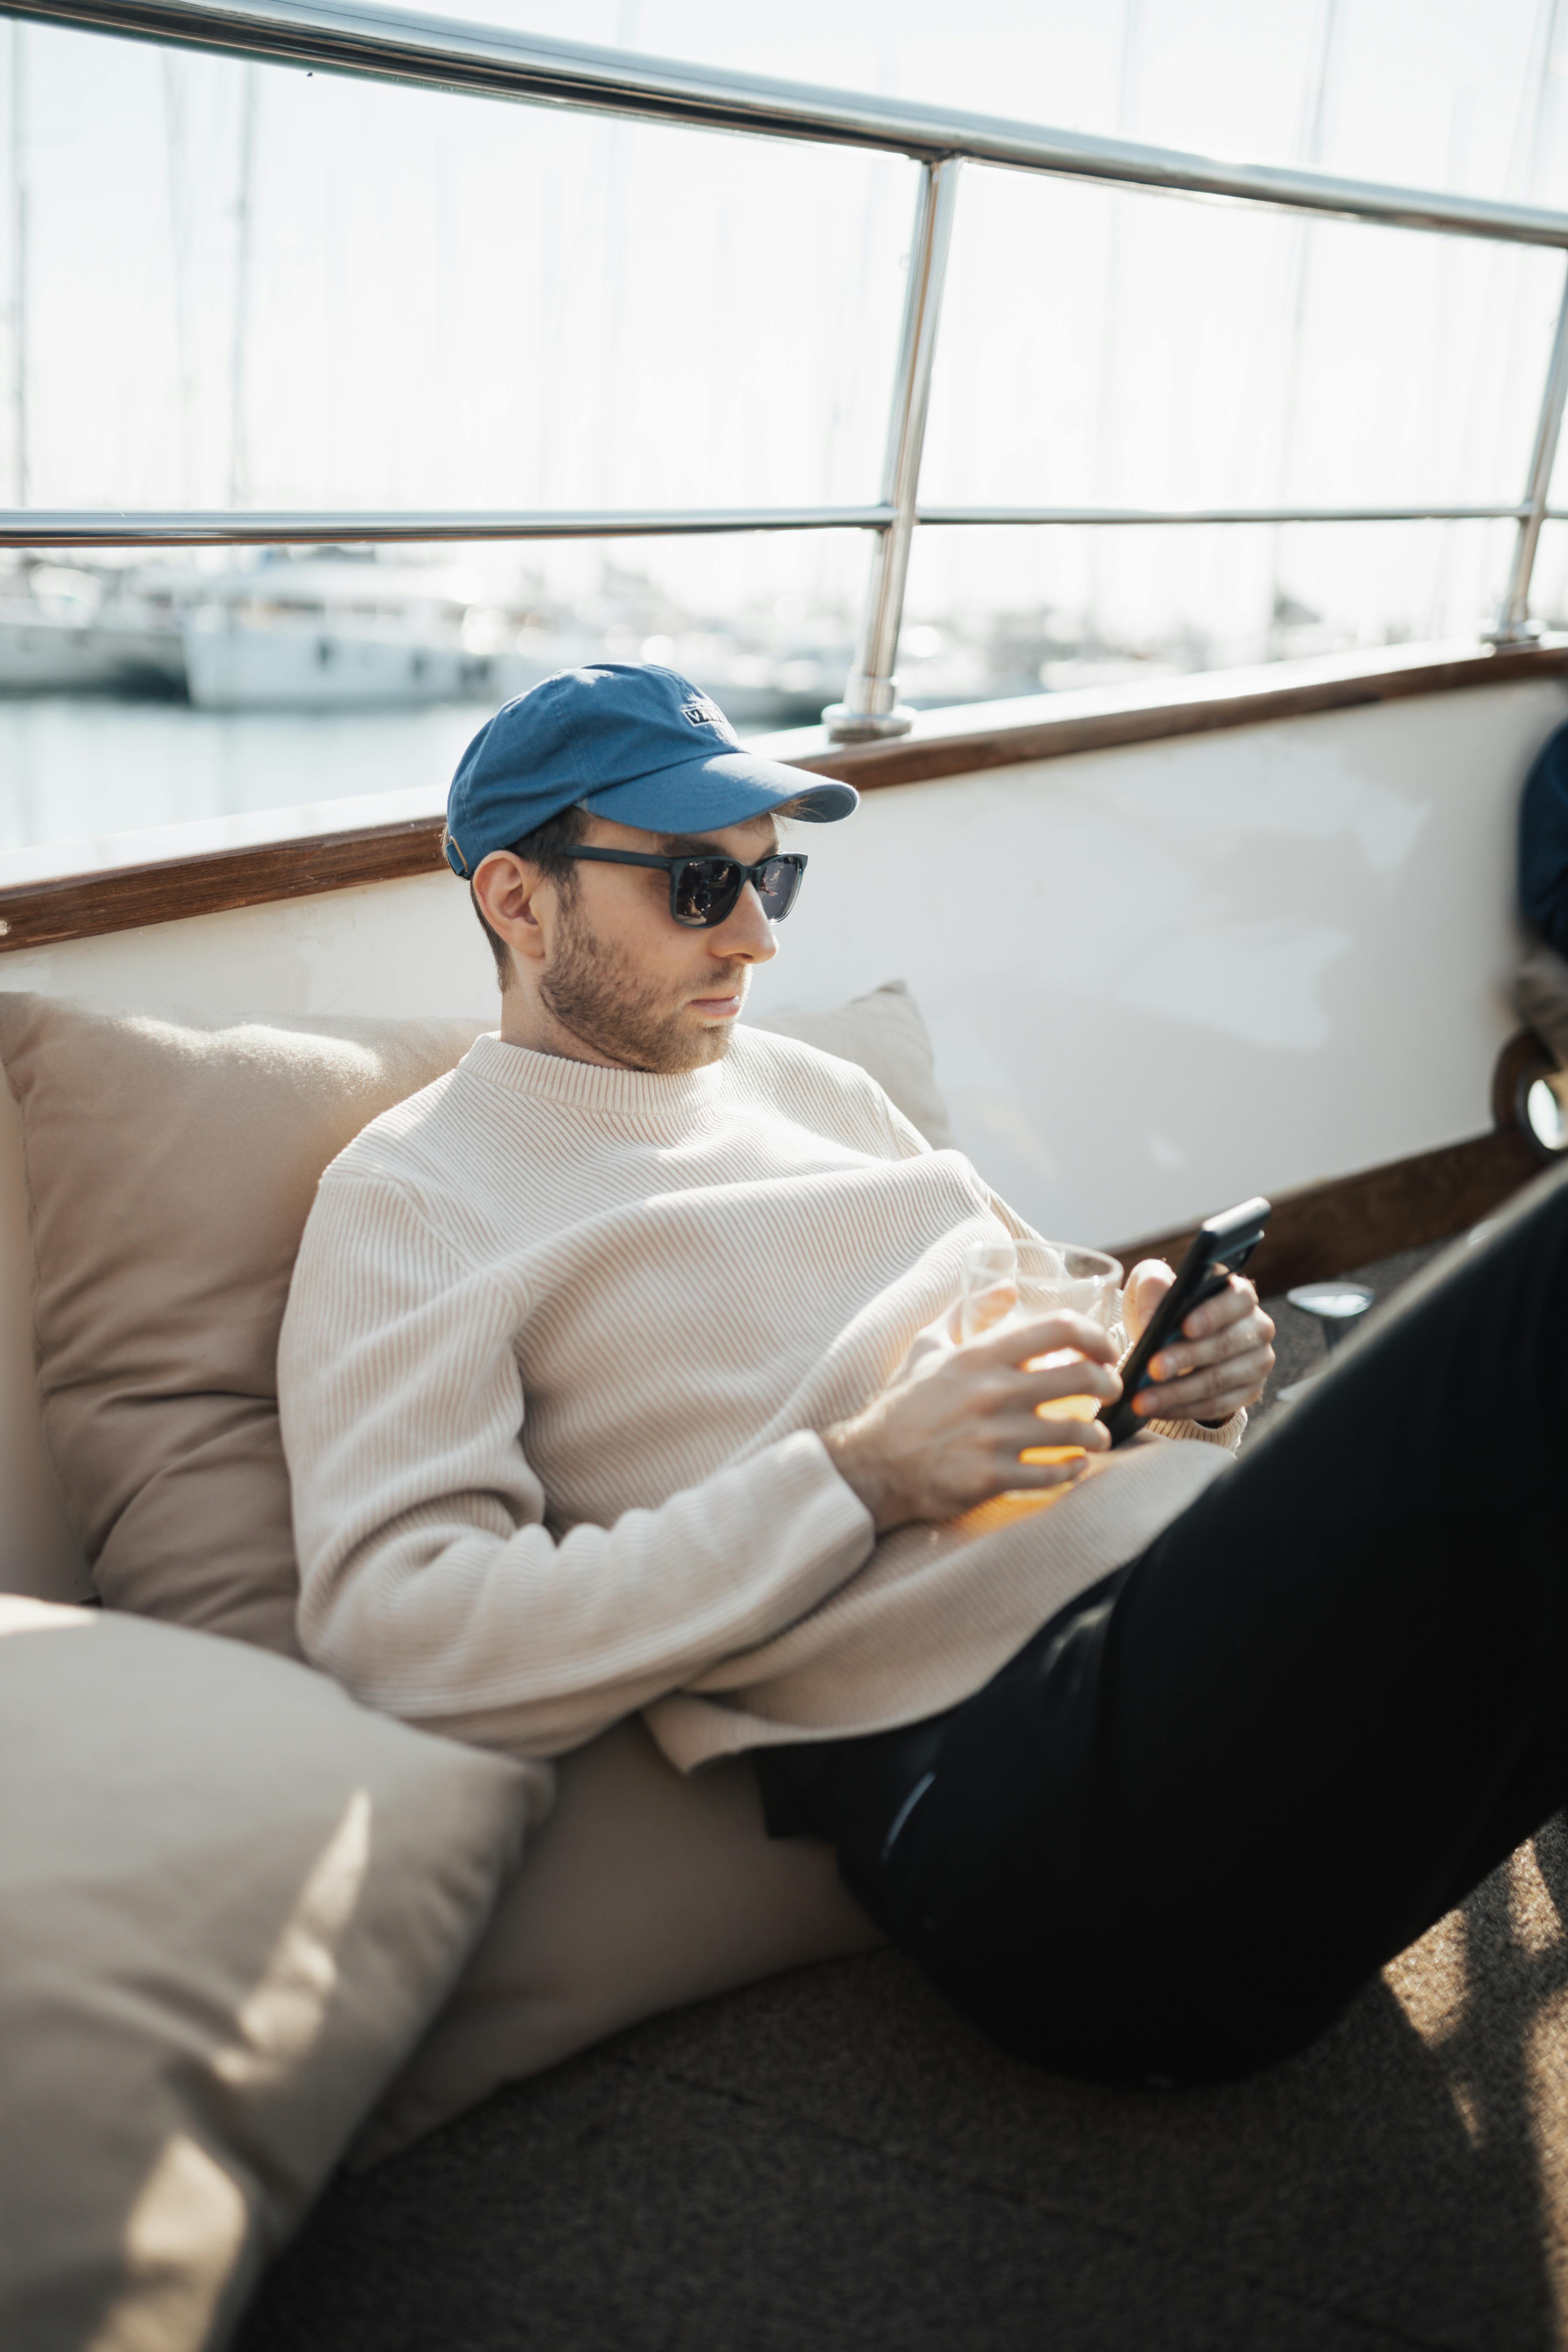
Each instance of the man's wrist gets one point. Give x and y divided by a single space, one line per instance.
845 1446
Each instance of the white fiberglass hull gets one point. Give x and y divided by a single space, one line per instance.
39 654
242 668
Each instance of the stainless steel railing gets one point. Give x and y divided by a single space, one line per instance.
391 45
40 527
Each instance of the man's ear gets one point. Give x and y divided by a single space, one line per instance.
507 888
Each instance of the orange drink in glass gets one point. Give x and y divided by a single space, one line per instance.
1007 1283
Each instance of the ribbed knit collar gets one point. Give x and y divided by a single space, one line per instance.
653 1102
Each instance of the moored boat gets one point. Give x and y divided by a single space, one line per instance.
77 632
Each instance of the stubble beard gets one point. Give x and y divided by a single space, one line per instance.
596 993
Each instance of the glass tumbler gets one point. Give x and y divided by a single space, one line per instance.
1008 1283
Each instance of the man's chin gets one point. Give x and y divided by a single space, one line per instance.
708 1041
595 999
682 1043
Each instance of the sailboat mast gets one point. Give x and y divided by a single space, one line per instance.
238 438
18 263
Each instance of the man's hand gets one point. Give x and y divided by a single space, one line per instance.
948 1434
1222 1360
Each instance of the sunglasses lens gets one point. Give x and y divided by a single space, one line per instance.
780 881
705 888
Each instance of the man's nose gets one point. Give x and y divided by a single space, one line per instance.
745 930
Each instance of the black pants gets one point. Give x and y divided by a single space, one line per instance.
1202 1807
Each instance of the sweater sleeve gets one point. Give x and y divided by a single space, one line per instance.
430 1585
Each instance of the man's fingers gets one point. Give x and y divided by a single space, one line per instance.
1238 1298
1209 1393
1248 1367
1247 1335
1043 1427
1025 1410
1043 1336
1075 1378
1146 1285
1023 1472
1155 1404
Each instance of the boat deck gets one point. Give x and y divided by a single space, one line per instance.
835 2160
1299 1346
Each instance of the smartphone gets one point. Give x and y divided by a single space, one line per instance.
1221 1247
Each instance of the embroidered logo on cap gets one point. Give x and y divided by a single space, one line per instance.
703 712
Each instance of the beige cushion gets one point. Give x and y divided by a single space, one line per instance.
231 1901
885 1032
171 1165
641 1891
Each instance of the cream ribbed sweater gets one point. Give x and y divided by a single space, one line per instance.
558 1342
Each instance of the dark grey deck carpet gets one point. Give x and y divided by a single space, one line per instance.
1299 1347
834 2160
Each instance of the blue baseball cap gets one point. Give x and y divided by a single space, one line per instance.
641 745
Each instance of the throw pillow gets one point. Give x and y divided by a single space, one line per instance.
641 1892
884 1032
170 1164
231 1901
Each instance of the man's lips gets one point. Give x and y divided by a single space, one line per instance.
718 1008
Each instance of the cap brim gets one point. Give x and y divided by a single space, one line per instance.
722 788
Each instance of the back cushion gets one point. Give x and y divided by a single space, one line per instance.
171 1165
885 1032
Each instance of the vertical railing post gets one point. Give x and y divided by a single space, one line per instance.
870 705
1514 626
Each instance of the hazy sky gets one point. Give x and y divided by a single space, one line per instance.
447 302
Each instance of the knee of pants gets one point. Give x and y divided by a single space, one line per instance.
1129 2029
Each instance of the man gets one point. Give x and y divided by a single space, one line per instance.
618 1374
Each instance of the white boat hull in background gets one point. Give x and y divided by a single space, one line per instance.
235 666
41 655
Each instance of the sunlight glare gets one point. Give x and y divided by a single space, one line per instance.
181 2240
280 2020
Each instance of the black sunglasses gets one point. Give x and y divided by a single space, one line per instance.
704 890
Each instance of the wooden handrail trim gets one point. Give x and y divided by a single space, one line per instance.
1053 727
1330 1228
87 895
125 897
1321 1230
